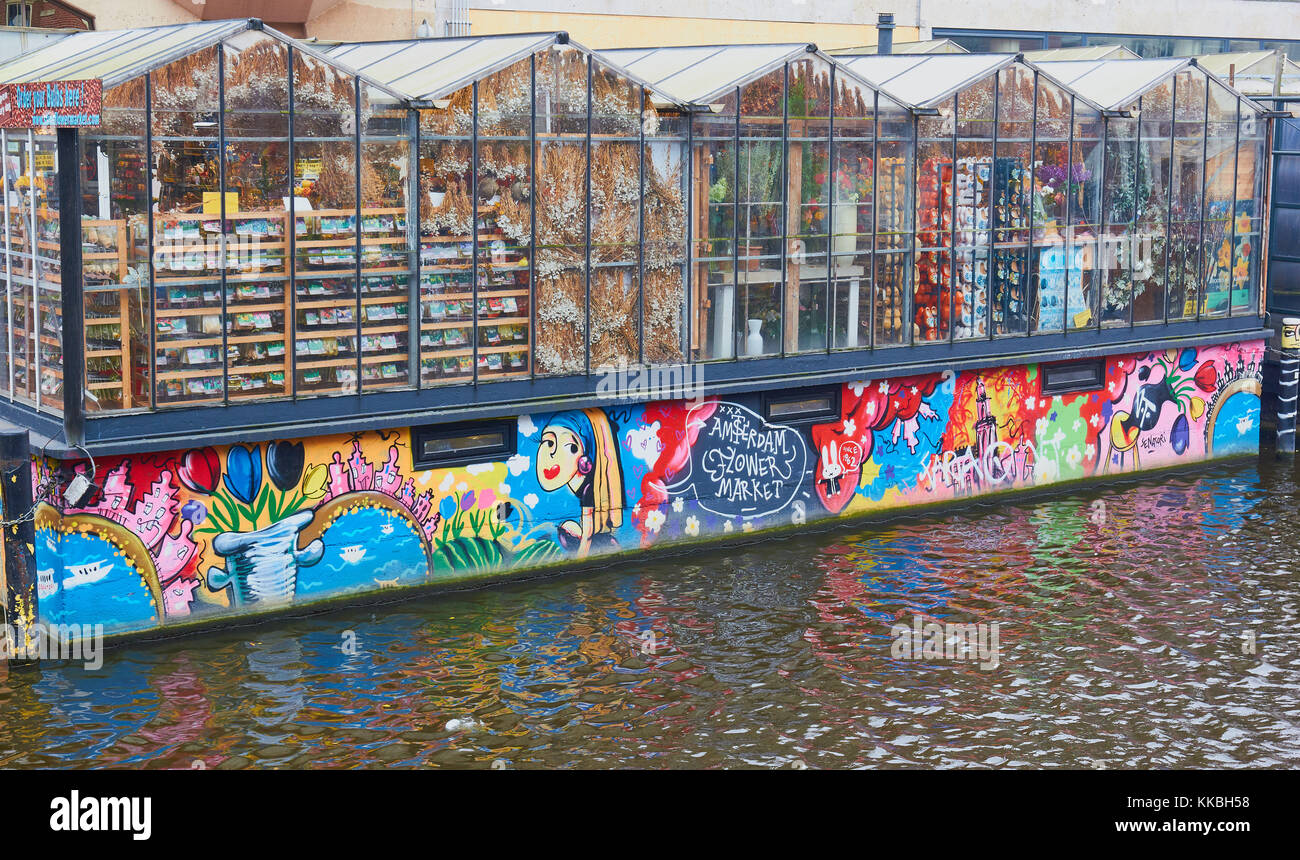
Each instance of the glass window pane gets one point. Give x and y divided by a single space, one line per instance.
760 193
1252 179
615 220
504 189
1187 198
256 227
48 322
1083 270
1012 199
1150 242
893 245
387 241
664 211
327 310
562 212
973 191
714 187
1123 178
18 175
446 249
809 211
187 232
115 255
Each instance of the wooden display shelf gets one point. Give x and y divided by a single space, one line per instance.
396 245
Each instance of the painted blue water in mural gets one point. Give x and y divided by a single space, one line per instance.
366 548
1236 428
105 589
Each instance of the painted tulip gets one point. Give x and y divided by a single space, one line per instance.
313 485
1187 359
1206 377
195 512
200 470
1198 408
1122 435
284 462
467 501
1180 435
486 499
244 472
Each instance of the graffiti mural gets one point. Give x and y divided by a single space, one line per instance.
174 537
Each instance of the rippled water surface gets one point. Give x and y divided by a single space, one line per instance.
1125 614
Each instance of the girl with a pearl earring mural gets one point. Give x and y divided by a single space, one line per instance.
578 451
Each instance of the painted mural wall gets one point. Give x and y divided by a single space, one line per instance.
186 535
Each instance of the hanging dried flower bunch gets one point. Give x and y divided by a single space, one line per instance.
664 298
456 118
561 84
615 104
615 199
561 324
514 219
505 101
614 316
453 216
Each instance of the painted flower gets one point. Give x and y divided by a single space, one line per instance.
746 527
243 476
1073 457
486 499
655 520
200 470
467 501
195 512
728 527
850 427
1180 434
678 504
284 462
1207 376
313 485
692 527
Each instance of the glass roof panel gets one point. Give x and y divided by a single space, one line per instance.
1242 62
115 56
1113 84
429 68
1254 72
1083 52
692 74
924 79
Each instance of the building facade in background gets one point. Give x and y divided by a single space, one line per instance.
1181 27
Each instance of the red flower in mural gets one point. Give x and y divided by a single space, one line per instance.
1206 377
679 426
200 470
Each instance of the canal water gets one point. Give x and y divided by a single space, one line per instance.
1150 623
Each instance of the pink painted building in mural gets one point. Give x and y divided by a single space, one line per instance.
417 314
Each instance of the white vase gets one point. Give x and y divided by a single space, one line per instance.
754 340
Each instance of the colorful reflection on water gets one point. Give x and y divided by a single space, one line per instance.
1122 617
